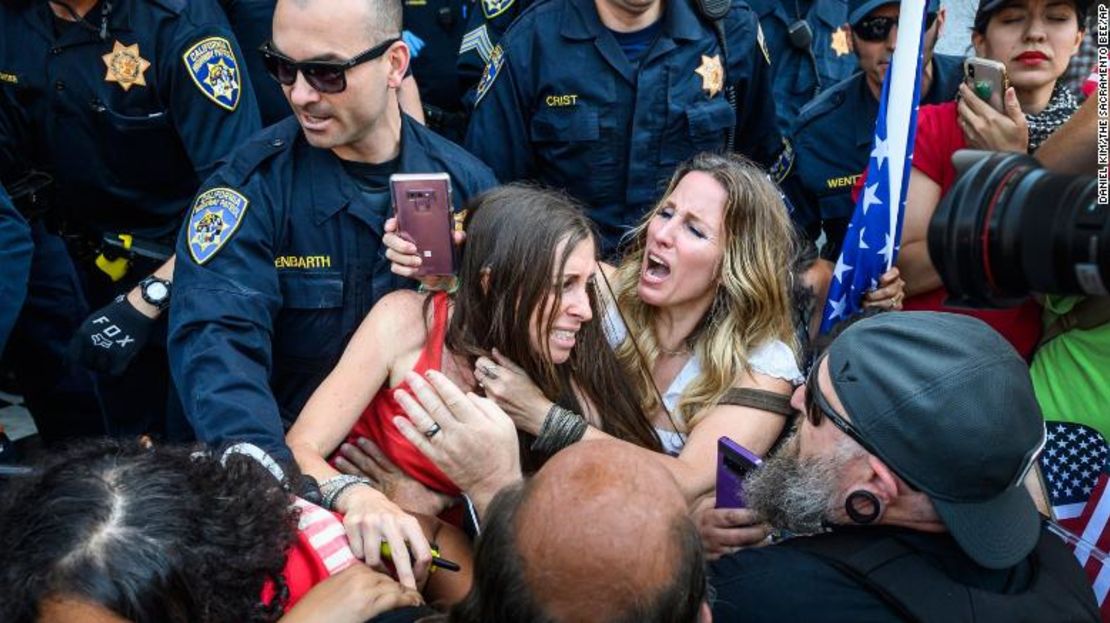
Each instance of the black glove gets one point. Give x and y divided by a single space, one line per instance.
111 337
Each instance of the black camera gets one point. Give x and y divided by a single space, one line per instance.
1008 228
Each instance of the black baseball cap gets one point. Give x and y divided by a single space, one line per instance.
987 8
859 9
948 405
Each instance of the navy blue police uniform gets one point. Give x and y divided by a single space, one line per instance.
486 23
439 26
562 103
832 142
15 257
252 22
799 71
128 110
278 263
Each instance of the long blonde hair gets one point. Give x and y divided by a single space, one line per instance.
752 305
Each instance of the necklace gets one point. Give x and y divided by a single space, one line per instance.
686 350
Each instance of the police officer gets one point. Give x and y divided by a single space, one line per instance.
281 255
832 140
15 257
809 47
128 104
604 97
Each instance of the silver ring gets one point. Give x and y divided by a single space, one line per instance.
431 432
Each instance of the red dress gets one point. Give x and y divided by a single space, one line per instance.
376 422
938 137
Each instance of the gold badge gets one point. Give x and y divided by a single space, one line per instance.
125 65
840 43
712 74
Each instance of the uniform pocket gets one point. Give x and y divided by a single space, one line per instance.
143 148
311 290
565 125
708 122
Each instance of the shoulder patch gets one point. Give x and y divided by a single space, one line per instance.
215 70
493 8
493 67
477 40
216 215
783 164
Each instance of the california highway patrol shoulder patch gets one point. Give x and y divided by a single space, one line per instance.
215 70
493 67
493 8
216 214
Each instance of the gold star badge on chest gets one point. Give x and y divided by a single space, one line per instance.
125 65
839 43
712 74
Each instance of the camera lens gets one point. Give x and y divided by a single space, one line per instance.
1008 227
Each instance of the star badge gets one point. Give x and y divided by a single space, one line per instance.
125 66
839 43
712 74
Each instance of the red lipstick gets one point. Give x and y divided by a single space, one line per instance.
1032 57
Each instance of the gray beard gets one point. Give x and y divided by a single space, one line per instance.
796 494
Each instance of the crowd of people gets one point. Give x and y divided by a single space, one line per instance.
253 405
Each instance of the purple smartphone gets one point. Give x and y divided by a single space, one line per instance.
422 202
733 464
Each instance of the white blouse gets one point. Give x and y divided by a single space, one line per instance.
774 358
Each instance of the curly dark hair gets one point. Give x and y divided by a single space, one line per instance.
166 535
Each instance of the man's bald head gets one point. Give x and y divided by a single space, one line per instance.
382 18
603 533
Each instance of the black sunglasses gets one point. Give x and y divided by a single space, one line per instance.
877 28
324 76
816 406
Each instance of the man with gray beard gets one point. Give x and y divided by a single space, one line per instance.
906 471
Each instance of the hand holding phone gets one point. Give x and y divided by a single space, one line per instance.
422 204
733 464
988 80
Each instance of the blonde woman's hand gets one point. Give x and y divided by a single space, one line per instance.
508 385
890 293
365 459
986 128
370 519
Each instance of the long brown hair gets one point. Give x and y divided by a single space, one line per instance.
752 305
512 234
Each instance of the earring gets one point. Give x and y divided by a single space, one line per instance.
869 499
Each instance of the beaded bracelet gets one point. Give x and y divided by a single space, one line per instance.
561 427
333 487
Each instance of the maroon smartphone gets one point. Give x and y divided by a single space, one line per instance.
422 204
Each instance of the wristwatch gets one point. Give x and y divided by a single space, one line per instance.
156 292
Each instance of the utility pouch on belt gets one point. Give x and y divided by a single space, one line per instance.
29 194
118 250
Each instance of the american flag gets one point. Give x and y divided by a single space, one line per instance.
1076 474
872 239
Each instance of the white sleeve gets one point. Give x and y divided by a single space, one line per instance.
776 359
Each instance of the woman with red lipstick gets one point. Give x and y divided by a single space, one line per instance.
1035 39
526 289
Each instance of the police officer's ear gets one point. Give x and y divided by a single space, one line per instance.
398 58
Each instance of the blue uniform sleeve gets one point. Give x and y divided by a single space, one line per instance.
211 100
226 299
757 135
498 133
482 33
15 257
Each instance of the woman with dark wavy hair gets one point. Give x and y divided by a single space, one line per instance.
112 532
525 289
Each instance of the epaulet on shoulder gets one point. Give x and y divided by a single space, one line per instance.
820 106
261 147
177 7
530 10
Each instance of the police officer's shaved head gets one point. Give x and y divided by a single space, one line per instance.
601 534
383 17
